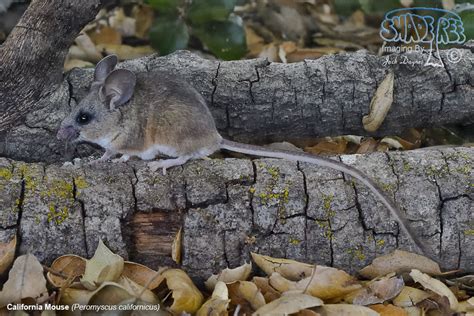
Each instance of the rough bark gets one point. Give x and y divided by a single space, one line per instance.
254 101
228 207
32 57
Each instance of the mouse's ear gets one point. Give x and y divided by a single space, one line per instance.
118 88
103 68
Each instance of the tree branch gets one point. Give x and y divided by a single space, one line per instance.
32 57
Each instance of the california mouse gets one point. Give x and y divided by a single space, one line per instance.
156 113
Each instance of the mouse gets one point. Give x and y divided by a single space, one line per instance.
150 114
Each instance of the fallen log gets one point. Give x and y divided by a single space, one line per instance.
229 207
256 101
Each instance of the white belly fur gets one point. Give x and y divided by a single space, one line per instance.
152 152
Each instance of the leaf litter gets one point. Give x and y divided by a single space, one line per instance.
399 283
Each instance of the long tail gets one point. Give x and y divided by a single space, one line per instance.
329 163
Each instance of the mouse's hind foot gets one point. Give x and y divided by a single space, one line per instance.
167 163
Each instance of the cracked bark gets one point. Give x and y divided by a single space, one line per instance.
256 101
229 207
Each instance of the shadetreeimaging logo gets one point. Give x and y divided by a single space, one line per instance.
427 28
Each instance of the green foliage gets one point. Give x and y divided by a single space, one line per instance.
224 39
202 12
467 18
379 7
346 7
169 34
210 21
165 6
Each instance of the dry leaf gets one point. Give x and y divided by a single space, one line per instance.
103 266
329 146
354 139
229 275
281 284
345 310
414 311
122 23
399 143
302 54
105 35
247 295
380 104
368 145
307 312
434 285
410 296
269 293
75 52
186 297
255 42
389 310
70 295
7 254
25 280
465 306
436 305
464 282
399 261
85 43
328 282
76 63
138 291
289 304
71 266
269 52
218 304
379 291
143 16
392 142
108 293
125 51
142 275
176 247
290 269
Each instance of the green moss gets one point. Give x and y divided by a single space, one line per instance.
274 172
80 183
273 193
387 187
437 171
380 243
469 232
457 155
294 241
406 166
6 174
357 254
326 227
466 169
61 189
57 216
327 201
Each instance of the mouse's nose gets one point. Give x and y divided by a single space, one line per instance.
67 133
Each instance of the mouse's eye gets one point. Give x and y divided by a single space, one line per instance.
83 118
